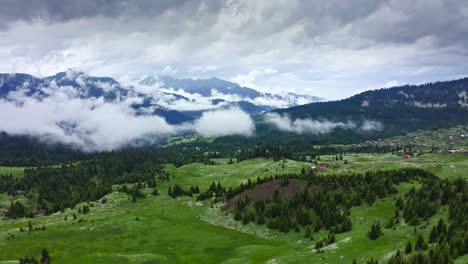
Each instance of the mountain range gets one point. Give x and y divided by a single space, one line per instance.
285 119
177 100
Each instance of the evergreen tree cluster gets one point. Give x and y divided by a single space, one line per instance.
328 198
64 186
375 231
45 259
177 191
215 190
330 239
134 191
219 192
446 241
265 151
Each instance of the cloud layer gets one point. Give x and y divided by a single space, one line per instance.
90 124
95 124
329 49
311 126
219 123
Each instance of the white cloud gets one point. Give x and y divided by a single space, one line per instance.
90 124
371 125
250 78
390 84
311 126
94 124
225 122
168 70
301 126
105 86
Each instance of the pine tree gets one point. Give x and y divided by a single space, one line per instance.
45 259
420 244
307 232
397 258
433 235
375 231
408 248
319 244
261 219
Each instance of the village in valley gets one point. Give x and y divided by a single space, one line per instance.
446 140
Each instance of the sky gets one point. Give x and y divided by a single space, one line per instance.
331 49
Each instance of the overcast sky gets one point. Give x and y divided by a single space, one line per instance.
331 48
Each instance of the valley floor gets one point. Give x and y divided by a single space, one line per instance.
160 229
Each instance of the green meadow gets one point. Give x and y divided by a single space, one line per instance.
159 229
231 175
442 165
15 171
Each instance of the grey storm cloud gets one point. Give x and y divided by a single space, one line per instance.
331 49
65 10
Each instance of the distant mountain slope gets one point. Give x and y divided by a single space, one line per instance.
84 86
218 89
408 107
369 115
205 87
17 150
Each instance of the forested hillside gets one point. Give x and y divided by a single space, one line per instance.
397 110
409 107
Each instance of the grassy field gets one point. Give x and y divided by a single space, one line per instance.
15 171
442 165
231 175
4 201
185 231
187 139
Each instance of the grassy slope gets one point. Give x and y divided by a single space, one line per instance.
443 165
454 137
231 175
168 230
181 230
15 171
4 200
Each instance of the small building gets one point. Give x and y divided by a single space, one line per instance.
322 168
318 169
406 156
